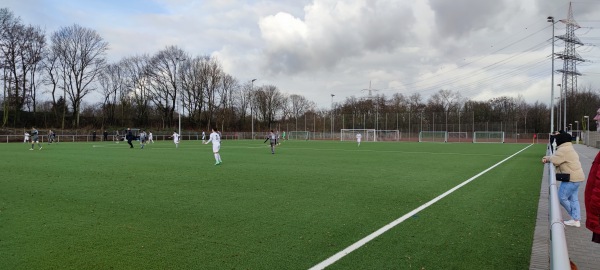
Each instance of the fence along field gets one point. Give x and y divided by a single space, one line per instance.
73 205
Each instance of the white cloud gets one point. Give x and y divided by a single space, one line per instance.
319 47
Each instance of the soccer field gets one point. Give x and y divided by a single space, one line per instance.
105 206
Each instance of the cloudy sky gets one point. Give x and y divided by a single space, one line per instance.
480 48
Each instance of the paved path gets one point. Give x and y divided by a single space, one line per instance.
582 251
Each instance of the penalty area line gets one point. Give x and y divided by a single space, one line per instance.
336 257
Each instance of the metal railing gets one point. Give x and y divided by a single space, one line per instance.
559 253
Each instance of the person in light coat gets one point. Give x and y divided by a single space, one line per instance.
566 160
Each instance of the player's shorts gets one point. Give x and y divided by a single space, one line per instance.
216 147
358 140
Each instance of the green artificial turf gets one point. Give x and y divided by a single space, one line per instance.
105 206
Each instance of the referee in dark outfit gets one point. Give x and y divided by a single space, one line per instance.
129 137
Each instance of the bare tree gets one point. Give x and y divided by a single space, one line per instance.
243 96
136 81
21 50
10 26
299 106
163 81
213 74
398 103
81 52
228 86
269 102
110 81
192 83
34 52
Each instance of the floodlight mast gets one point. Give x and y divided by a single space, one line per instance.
332 121
551 20
181 98
251 105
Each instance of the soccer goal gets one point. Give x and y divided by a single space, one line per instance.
488 137
433 136
298 135
388 135
367 135
458 137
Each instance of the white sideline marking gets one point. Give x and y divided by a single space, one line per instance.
336 257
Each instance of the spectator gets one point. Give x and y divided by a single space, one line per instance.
566 160
592 200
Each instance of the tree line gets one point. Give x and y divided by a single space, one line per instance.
48 79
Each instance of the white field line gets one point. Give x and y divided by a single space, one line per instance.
336 257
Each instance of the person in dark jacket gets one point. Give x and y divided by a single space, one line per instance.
129 137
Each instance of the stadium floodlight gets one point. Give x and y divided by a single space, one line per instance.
551 20
251 105
181 98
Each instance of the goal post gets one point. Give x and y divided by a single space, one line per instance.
298 135
488 137
367 135
388 135
433 136
458 137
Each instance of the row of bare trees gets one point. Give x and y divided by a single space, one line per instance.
533 118
146 89
71 63
48 83
138 90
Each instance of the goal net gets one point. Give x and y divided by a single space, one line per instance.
388 135
488 137
298 135
367 135
458 137
433 136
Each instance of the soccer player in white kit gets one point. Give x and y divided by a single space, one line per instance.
150 138
26 137
358 137
216 143
175 137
